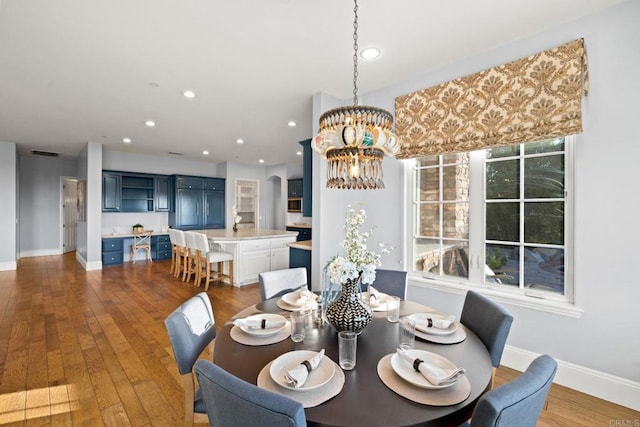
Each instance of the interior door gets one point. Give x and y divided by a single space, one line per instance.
69 214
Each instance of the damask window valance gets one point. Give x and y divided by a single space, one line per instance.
530 99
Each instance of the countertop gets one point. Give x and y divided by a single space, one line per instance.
229 235
305 245
129 235
299 225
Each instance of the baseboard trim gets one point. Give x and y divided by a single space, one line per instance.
94 265
40 252
585 380
8 265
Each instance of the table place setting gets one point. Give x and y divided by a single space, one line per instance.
306 376
375 299
300 299
424 377
438 328
260 329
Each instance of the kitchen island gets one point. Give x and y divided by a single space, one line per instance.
254 250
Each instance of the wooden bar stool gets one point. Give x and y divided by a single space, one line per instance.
191 261
206 257
181 252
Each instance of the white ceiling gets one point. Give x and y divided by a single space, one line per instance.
73 71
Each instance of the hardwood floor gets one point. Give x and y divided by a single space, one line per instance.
90 348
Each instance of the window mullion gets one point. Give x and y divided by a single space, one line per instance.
476 216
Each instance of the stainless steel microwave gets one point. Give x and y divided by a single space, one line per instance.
294 204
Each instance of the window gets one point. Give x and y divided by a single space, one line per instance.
497 218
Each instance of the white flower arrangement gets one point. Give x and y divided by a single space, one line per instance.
359 260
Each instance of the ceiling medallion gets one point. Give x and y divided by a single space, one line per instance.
354 139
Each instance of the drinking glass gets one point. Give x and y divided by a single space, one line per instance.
298 324
407 333
393 309
347 343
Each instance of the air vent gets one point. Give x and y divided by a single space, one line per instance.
175 154
44 153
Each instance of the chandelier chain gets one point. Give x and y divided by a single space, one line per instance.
355 52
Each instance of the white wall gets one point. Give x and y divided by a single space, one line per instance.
8 213
89 241
605 339
39 203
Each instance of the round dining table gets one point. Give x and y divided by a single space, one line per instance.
364 400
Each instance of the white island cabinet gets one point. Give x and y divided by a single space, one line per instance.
254 251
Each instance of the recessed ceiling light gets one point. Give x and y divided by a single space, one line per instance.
205 152
189 94
299 153
370 53
126 140
240 141
261 160
150 123
291 123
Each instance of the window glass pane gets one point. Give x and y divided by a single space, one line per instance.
503 180
502 264
455 220
544 269
503 221
506 151
429 221
429 184
544 177
546 146
428 161
455 182
427 254
454 158
544 223
455 259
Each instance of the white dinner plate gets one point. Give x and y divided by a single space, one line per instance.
259 332
410 375
422 317
292 298
287 361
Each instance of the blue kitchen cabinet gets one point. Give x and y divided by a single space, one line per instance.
163 193
199 203
111 186
112 251
160 247
307 174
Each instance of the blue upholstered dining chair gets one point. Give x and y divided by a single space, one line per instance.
191 328
490 322
232 402
518 402
278 282
391 282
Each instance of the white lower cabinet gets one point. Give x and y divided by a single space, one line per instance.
252 257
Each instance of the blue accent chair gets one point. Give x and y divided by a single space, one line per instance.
191 328
279 282
490 322
391 282
232 402
518 402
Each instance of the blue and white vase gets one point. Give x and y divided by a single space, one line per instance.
348 312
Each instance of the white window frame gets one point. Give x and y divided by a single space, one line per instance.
539 300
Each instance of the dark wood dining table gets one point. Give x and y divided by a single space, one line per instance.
364 400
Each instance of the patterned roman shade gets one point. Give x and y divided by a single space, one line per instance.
530 99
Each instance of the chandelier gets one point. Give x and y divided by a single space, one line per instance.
355 139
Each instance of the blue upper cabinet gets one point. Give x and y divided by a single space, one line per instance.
163 193
307 175
111 186
199 203
294 187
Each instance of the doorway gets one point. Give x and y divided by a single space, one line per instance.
69 213
247 191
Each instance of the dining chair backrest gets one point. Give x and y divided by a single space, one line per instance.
518 402
202 243
233 402
180 240
489 321
190 240
391 282
279 282
191 327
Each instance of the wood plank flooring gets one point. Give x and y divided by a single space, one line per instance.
90 348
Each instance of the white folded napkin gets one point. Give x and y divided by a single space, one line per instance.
258 323
426 322
433 374
301 372
306 297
